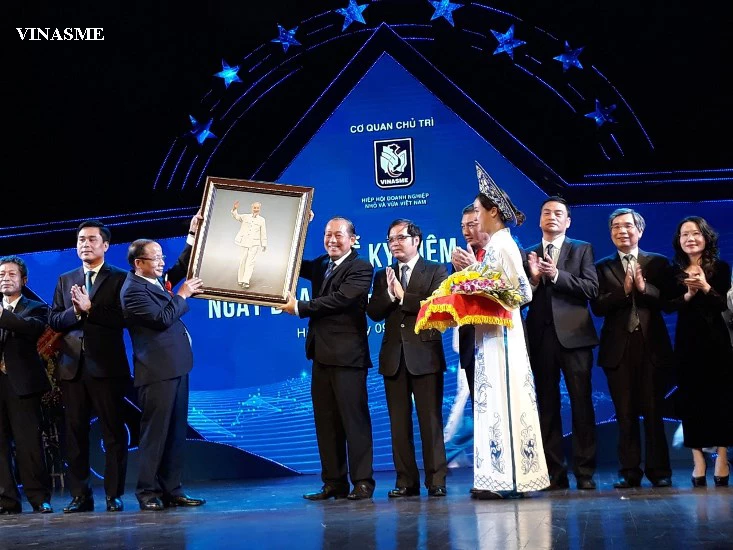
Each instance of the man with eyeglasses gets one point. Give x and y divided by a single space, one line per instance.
92 368
162 359
635 350
413 365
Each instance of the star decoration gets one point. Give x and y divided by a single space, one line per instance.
352 12
228 74
507 42
286 37
201 130
602 114
444 9
570 57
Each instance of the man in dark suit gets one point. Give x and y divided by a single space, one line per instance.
162 359
23 381
93 369
561 340
477 242
635 350
412 364
337 344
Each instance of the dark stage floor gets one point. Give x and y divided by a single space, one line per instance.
272 514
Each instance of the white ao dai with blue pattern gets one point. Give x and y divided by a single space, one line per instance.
508 454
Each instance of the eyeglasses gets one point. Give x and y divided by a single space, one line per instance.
157 259
620 226
398 238
469 225
693 234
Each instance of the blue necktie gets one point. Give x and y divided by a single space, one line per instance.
403 277
329 269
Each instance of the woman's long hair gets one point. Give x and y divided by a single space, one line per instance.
709 255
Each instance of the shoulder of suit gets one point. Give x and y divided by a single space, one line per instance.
608 259
577 242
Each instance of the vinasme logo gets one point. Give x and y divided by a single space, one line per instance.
69 33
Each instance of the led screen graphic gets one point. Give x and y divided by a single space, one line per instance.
390 150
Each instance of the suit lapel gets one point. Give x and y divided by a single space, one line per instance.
617 268
564 251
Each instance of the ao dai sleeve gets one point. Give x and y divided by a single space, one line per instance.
511 263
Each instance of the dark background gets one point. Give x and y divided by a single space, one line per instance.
88 124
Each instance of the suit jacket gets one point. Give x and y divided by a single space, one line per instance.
102 329
615 307
161 348
423 351
337 326
565 302
26 370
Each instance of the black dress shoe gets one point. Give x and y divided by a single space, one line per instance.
662 482
437 491
182 500
585 484
400 492
84 503
326 492
114 504
43 508
558 484
7 510
626 483
362 491
152 505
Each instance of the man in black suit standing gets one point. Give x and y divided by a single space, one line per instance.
561 340
23 381
162 359
412 364
461 258
93 369
635 350
338 346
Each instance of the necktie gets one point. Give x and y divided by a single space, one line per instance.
548 252
329 269
3 337
633 321
403 277
480 253
88 281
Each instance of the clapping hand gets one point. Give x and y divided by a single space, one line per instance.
393 284
695 281
461 258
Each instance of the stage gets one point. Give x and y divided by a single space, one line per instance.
272 514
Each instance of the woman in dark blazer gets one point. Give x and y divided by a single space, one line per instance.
702 347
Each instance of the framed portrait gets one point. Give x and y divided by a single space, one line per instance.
250 243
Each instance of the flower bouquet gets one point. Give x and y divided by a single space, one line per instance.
475 296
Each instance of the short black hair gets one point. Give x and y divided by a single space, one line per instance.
412 228
17 260
103 229
556 198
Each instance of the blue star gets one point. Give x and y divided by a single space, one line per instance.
201 130
286 38
602 114
507 43
352 12
229 74
444 9
570 57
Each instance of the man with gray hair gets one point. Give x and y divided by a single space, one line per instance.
635 347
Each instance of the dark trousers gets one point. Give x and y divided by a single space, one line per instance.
635 388
467 354
343 425
427 390
106 397
549 359
20 421
163 428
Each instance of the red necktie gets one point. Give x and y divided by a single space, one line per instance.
480 254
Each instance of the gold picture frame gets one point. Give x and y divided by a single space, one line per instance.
225 254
